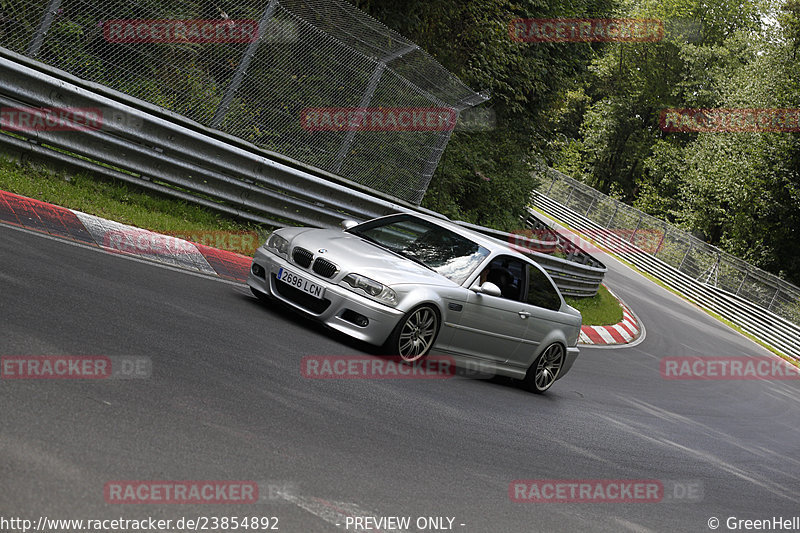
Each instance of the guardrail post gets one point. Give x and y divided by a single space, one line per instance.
44 27
244 64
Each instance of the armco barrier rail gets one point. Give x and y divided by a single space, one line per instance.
675 247
259 70
578 275
166 153
759 322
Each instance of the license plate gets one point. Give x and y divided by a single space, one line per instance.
301 283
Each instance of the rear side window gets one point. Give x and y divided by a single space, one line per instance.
541 292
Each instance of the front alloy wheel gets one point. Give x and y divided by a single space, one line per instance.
414 335
544 371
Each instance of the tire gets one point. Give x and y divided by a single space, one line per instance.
415 334
545 369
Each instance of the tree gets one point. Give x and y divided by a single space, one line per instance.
485 177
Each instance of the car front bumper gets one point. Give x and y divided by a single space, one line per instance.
340 308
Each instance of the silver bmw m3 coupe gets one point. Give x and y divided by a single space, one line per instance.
419 285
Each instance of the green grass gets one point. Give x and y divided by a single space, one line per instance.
116 201
602 309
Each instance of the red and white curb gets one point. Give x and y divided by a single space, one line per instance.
624 332
143 244
120 238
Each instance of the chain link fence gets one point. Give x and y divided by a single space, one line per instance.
679 249
255 69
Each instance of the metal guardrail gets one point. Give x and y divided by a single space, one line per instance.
157 154
260 70
681 250
764 325
170 155
578 274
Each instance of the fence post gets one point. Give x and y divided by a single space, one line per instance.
746 273
44 26
663 236
569 196
366 98
689 249
616 208
638 224
590 206
244 63
551 184
777 290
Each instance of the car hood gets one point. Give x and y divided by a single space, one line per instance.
354 254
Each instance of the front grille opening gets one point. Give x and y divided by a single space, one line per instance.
325 268
302 257
299 298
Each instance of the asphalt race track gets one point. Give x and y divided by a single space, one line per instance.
226 401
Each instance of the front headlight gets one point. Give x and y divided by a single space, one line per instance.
372 288
278 244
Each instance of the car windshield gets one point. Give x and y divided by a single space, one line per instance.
444 251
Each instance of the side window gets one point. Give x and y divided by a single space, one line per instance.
508 273
541 292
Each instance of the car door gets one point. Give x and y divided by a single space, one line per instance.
492 327
542 302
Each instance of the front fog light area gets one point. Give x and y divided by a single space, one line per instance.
371 288
258 271
355 318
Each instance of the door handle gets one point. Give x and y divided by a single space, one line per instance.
524 314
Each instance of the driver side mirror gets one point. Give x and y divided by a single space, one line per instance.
347 224
488 288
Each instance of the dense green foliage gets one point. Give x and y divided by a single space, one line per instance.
593 110
485 176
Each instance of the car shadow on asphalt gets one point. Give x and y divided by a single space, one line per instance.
279 311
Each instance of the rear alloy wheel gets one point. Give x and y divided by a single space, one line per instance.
415 334
545 370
